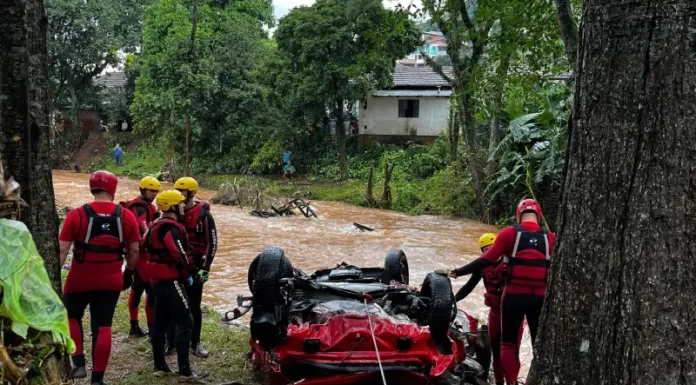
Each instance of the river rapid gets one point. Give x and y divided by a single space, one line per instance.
430 242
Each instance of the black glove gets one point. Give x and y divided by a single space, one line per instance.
128 279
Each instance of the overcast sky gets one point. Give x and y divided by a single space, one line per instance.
282 7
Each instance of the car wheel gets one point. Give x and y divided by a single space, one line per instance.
439 313
395 267
265 273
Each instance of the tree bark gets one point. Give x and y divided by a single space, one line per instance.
620 306
341 140
569 29
24 121
497 132
369 196
194 26
386 192
473 152
191 54
453 136
188 134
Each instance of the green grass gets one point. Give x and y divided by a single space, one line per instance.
131 358
418 185
136 163
350 191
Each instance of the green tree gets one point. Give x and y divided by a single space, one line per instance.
333 52
85 37
492 44
215 88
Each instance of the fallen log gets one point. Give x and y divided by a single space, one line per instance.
362 227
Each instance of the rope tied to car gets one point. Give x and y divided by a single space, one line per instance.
365 298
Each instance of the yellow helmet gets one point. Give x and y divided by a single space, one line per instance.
486 240
150 183
168 199
186 183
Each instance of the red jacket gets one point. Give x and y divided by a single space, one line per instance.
144 213
167 244
520 273
202 234
98 254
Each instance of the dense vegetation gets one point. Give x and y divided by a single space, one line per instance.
222 96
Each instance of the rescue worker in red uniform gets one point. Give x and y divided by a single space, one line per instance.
202 235
529 247
170 273
144 212
101 233
493 281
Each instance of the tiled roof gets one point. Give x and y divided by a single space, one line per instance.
405 76
412 93
111 80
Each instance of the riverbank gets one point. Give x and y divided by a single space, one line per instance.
131 358
422 181
430 242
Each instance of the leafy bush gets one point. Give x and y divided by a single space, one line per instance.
267 160
447 192
532 155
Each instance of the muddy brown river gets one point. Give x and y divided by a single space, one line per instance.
430 242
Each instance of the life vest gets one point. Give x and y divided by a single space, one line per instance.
493 281
101 237
193 220
150 210
530 260
161 265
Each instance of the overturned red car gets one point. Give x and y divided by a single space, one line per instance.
353 325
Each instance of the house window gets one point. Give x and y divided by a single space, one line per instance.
408 108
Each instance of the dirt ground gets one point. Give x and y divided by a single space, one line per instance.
131 360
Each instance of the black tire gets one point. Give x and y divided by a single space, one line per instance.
438 289
251 273
395 267
265 273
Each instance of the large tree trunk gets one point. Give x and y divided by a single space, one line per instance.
341 141
453 134
569 29
623 281
497 131
188 135
473 152
25 139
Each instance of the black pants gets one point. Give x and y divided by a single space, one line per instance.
172 307
517 307
136 292
102 305
195 296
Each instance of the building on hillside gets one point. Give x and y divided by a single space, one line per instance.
434 45
114 82
415 109
111 80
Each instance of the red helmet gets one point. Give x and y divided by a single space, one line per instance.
103 181
529 205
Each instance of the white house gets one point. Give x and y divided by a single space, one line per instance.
414 109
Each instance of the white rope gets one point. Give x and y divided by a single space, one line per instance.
374 340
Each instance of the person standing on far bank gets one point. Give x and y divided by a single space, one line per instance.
118 155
